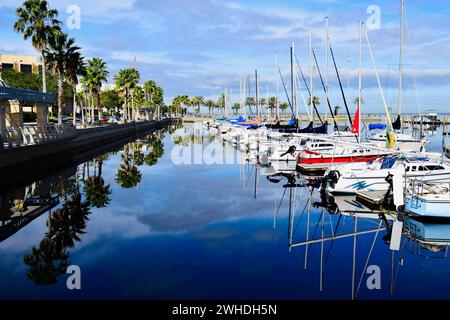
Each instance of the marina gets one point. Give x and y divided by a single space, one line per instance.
315 168
304 240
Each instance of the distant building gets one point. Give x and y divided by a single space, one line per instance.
20 63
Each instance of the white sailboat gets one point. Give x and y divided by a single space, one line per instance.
353 177
403 142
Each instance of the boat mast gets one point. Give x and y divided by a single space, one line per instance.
277 85
400 66
360 80
326 64
311 82
225 103
240 94
294 102
257 97
267 103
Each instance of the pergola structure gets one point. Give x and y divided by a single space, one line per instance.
11 108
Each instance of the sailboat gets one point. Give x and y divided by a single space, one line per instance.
402 141
428 200
355 177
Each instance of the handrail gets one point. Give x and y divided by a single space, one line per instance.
7 93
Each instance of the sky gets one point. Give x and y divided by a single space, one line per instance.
201 47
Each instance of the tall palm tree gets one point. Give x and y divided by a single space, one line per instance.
272 103
59 54
96 73
336 110
236 108
316 101
36 21
154 95
210 104
283 107
197 101
126 80
75 67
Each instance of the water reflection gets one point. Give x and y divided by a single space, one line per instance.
50 258
68 197
242 231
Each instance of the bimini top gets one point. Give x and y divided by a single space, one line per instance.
377 126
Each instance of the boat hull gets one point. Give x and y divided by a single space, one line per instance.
376 182
322 163
428 207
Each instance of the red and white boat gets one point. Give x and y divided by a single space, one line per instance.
317 162
311 162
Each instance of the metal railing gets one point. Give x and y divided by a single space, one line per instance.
32 135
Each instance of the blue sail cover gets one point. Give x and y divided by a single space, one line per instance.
377 126
240 119
291 123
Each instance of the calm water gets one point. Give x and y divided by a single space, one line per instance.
141 227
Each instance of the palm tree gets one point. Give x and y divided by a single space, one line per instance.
316 101
283 107
75 67
126 80
336 110
178 101
210 104
61 50
96 74
236 108
356 101
154 94
197 101
272 103
250 101
36 21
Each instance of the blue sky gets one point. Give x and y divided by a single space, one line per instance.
200 47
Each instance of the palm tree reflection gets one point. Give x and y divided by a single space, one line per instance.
95 188
65 226
128 175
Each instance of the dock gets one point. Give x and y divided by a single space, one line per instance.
372 199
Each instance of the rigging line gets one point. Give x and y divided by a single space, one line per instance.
248 177
309 91
368 258
340 85
281 201
300 218
304 101
285 90
325 90
332 242
304 208
408 39
315 230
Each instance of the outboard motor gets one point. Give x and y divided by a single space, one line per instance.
387 200
290 151
332 178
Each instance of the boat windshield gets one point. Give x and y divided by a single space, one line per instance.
388 163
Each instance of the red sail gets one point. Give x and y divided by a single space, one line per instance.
355 128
